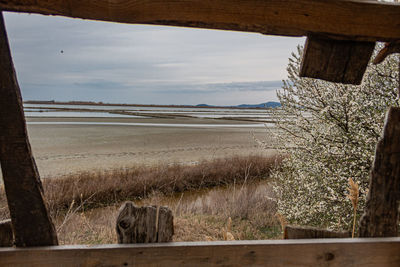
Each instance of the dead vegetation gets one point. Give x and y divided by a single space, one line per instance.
240 212
105 188
84 205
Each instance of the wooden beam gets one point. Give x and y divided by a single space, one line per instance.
279 253
31 222
335 60
387 50
381 215
6 234
342 19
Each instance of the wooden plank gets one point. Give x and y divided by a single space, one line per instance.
381 215
335 60
348 19
318 252
31 222
304 232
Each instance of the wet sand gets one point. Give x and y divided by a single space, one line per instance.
64 149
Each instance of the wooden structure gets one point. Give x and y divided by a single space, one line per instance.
6 234
151 224
31 222
366 252
382 214
341 35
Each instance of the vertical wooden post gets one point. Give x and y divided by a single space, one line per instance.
381 216
152 224
6 234
31 222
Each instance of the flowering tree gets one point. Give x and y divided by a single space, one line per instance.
329 132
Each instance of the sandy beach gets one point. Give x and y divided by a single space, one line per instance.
61 149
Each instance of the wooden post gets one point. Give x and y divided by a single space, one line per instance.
381 216
151 224
335 60
6 234
31 222
301 232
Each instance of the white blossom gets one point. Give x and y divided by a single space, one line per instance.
329 132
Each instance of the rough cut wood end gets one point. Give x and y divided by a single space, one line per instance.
335 60
151 224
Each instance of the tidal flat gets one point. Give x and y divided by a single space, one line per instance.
70 145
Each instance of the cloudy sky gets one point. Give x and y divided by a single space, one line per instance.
66 59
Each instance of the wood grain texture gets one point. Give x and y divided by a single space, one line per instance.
335 60
6 234
150 224
379 252
381 216
387 50
302 232
348 19
31 222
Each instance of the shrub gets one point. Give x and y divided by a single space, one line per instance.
330 131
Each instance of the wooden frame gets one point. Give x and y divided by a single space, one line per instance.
366 252
339 20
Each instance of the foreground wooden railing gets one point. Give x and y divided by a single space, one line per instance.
316 252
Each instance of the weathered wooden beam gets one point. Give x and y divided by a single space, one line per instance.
381 215
387 50
150 224
31 222
348 19
335 60
6 234
366 252
303 232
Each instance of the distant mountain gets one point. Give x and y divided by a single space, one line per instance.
203 105
270 104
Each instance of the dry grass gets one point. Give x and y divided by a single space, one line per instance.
97 189
202 198
84 206
353 196
95 226
201 215
104 188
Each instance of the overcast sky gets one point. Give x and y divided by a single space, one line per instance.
66 59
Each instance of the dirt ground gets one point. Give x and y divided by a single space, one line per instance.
63 149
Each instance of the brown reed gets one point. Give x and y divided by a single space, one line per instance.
353 196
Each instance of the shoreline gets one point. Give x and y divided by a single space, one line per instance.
90 103
61 149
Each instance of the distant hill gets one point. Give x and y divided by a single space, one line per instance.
203 105
269 104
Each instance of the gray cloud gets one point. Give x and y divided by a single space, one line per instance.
143 64
261 86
